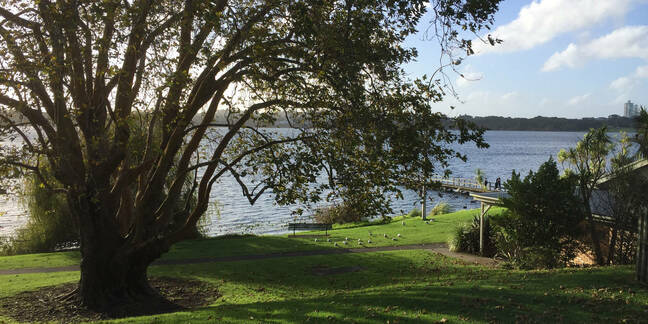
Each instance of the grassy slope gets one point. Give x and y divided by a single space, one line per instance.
408 286
414 232
397 286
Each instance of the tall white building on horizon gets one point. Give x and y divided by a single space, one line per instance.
630 109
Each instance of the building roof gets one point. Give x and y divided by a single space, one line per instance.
636 166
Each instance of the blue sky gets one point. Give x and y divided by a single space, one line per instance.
563 58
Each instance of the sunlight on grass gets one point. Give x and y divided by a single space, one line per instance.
398 286
414 231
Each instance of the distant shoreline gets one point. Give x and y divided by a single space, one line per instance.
614 123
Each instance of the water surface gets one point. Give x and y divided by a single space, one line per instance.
231 213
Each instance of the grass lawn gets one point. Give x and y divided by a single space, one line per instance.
414 231
398 286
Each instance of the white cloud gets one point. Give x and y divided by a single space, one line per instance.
625 84
468 76
642 72
626 42
621 83
477 96
543 20
578 99
509 95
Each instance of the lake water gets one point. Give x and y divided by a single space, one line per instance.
231 213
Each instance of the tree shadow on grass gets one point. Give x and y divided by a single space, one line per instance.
428 304
412 286
235 246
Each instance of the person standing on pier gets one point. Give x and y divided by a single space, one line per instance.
498 184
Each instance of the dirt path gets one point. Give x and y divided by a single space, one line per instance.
440 248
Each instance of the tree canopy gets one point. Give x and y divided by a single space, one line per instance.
79 78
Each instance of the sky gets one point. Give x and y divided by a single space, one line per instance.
559 58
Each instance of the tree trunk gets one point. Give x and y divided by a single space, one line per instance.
613 242
109 282
423 203
642 249
596 241
594 235
113 269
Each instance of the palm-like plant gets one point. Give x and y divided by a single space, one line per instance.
479 176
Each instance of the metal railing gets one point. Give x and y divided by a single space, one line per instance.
465 184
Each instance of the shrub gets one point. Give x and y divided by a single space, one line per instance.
463 240
544 217
504 235
414 213
466 238
49 227
440 209
338 213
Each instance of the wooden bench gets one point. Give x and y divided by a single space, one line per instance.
309 227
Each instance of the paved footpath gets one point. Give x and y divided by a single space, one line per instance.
440 248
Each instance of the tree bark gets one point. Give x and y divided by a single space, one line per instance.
423 203
642 249
113 269
594 235
613 242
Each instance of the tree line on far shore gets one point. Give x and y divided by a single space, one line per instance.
539 123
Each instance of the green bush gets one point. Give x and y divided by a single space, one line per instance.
414 213
338 213
49 227
466 238
462 240
440 209
541 227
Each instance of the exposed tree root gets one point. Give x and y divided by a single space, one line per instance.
63 303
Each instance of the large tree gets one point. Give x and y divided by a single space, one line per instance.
79 78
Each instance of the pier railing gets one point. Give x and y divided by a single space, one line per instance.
464 184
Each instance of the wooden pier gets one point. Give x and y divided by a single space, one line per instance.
464 184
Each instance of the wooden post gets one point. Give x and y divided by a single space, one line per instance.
423 205
482 215
642 249
481 230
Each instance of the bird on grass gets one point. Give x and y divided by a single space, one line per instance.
335 244
315 240
385 235
328 240
369 241
403 222
394 239
398 235
345 242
